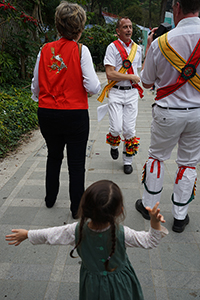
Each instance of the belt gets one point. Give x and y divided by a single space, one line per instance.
177 108
129 87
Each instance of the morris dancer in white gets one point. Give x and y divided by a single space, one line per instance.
172 63
122 59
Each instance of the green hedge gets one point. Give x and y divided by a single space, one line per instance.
18 116
97 39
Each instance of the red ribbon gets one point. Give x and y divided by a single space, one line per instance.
181 172
152 166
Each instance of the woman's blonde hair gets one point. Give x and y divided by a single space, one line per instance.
70 20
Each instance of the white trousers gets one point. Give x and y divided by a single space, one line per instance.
168 128
123 110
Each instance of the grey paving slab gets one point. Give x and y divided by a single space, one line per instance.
179 294
19 289
169 272
67 289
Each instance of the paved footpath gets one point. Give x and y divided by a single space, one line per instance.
27 272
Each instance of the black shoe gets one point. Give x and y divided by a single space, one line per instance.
114 153
140 207
128 169
179 225
49 202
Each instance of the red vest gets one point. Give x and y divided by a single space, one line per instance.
60 76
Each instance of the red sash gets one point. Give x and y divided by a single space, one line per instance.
124 56
187 73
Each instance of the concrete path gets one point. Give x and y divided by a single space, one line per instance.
27 272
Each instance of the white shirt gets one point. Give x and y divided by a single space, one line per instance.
91 82
183 38
65 235
113 58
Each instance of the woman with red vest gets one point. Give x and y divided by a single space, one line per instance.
63 76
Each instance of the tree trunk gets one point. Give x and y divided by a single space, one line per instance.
35 16
149 13
101 18
92 6
162 10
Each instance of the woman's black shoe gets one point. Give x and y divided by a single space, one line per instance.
49 203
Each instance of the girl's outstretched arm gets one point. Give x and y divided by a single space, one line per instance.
17 237
156 217
61 235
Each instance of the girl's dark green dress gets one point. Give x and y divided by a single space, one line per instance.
95 282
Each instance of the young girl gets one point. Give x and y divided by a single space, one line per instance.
106 272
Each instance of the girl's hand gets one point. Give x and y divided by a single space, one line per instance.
17 237
156 217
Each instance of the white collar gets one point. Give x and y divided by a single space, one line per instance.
189 21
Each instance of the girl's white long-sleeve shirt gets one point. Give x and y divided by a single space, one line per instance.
65 235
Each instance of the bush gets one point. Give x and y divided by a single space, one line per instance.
18 115
19 43
97 38
8 68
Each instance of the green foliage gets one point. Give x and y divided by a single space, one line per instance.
137 33
48 8
97 39
117 6
140 14
153 10
23 49
8 68
18 115
134 12
92 18
24 5
18 43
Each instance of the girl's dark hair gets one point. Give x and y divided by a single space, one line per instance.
102 202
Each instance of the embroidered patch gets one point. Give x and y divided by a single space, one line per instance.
58 63
188 71
126 64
